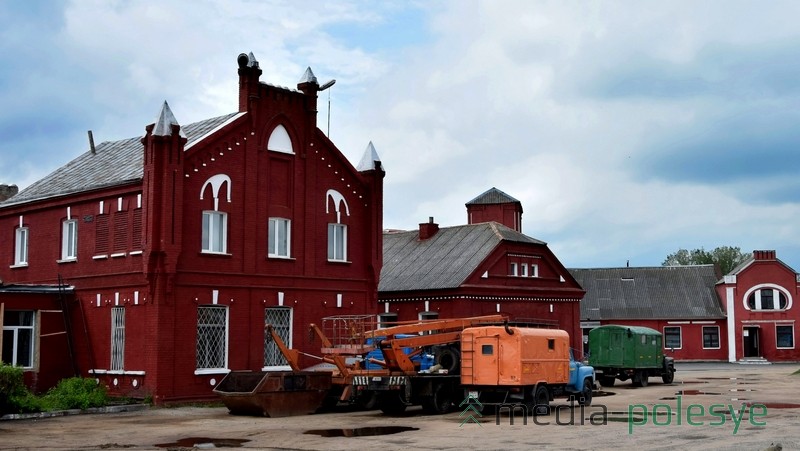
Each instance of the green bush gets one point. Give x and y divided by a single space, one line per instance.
73 393
76 393
12 388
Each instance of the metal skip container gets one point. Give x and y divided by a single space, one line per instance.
274 393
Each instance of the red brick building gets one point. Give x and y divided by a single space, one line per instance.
679 301
180 245
485 267
759 296
747 315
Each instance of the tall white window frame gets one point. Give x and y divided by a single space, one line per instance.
69 240
212 339
280 318
117 339
21 247
19 338
337 242
215 232
279 238
337 231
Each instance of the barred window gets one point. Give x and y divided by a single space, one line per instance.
212 337
280 318
117 339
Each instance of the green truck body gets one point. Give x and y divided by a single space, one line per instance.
628 352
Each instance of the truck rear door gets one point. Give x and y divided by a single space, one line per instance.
487 352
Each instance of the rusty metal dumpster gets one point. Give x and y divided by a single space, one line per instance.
274 393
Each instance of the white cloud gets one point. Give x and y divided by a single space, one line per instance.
571 107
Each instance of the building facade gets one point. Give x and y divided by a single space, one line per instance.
481 268
679 301
746 316
759 299
180 246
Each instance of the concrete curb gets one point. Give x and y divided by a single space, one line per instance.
61 413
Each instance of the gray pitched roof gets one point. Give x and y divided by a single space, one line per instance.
443 261
663 292
113 163
493 196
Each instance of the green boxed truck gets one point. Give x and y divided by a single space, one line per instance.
628 352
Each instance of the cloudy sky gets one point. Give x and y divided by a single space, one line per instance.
627 129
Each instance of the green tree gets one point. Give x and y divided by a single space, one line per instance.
726 257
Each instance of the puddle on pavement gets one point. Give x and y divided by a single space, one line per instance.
204 443
360 432
777 405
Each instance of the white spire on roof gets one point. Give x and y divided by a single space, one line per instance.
308 77
165 121
252 62
369 158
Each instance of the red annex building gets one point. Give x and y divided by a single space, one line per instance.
485 267
762 317
177 247
747 315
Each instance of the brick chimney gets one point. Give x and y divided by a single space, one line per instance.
428 229
7 191
764 255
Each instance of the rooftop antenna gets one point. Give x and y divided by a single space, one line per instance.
322 88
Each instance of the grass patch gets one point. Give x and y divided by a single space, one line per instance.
73 393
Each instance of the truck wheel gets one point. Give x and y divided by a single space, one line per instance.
607 381
440 402
541 397
640 379
668 377
390 403
367 400
585 397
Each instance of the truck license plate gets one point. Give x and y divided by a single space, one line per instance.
376 379
472 394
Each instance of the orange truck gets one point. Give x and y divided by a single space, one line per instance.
516 366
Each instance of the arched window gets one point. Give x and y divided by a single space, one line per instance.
337 231
279 141
215 222
767 297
